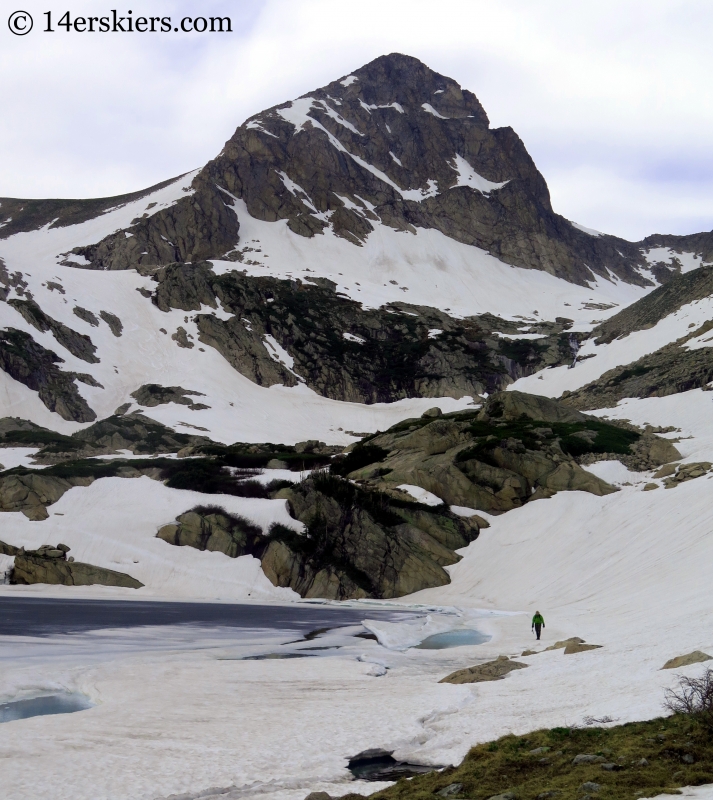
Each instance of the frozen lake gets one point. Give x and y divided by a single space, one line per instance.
35 616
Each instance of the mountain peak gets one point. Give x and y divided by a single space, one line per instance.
404 79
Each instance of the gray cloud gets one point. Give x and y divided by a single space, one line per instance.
610 98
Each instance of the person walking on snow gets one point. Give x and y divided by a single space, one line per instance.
538 623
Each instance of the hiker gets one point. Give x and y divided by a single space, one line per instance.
538 623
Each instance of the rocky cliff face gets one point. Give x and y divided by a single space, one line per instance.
346 352
357 542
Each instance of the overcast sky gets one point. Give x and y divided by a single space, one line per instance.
612 99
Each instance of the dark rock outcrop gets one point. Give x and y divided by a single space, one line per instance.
134 432
152 395
36 367
349 353
357 543
78 344
50 565
211 528
86 315
115 324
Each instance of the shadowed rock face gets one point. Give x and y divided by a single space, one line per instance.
346 352
356 543
36 367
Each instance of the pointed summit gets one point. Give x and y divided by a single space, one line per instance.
392 144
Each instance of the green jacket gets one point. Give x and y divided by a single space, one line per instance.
538 619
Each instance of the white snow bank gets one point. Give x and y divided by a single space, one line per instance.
437 272
11 457
431 110
467 176
113 524
590 231
423 496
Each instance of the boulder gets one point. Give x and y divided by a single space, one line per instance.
587 758
565 642
579 647
696 657
490 671
48 567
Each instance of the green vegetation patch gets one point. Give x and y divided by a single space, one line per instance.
639 759
49 440
361 456
633 372
598 437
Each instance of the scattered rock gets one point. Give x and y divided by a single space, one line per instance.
642 762
528 653
115 324
666 470
122 409
590 786
611 767
565 642
587 758
318 796
650 487
504 796
579 647
539 750
696 657
450 790
688 758
687 472
490 671
275 463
